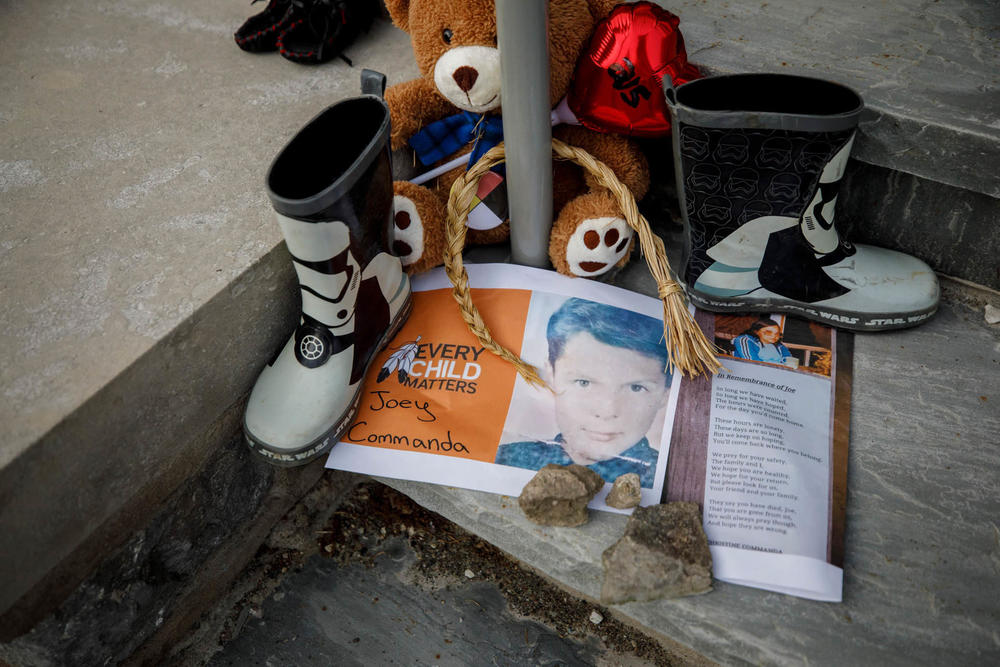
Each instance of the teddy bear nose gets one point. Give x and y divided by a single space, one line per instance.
465 77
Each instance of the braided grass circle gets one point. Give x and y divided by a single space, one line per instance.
688 351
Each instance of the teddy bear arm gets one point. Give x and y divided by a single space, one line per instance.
622 155
412 105
589 237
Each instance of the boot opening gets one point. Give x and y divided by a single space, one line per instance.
325 150
769 93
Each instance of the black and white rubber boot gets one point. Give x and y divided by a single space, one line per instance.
759 159
331 188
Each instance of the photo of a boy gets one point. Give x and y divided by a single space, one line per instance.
606 366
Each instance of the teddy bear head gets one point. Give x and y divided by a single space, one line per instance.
455 44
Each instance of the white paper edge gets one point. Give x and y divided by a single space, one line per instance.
782 573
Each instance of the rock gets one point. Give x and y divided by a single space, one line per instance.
558 495
663 554
626 492
595 617
992 314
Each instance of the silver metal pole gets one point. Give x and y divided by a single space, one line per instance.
522 36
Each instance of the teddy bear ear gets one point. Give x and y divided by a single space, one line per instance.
399 12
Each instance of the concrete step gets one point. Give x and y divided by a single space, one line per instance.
143 278
928 72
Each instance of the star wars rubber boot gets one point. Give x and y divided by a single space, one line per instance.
759 158
331 187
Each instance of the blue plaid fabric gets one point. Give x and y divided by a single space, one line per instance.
449 135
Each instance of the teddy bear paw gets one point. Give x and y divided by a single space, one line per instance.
597 245
407 231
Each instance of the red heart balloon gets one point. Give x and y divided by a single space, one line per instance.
618 83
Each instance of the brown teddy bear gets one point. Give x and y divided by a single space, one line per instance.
455 44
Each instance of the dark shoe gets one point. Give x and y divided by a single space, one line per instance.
759 158
260 32
322 29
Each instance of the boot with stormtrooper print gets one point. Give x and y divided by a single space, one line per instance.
331 188
759 158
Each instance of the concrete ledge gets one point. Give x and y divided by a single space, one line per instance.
147 594
99 474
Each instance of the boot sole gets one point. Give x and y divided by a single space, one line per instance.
834 317
290 458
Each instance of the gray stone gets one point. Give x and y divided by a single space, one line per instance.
626 492
558 495
663 554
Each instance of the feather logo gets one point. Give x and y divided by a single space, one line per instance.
400 361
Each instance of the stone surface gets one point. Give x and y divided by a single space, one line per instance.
922 561
927 71
945 226
150 591
626 492
558 495
390 589
133 156
663 554
355 616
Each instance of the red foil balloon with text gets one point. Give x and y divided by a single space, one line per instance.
618 84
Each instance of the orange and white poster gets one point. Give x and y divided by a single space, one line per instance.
438 407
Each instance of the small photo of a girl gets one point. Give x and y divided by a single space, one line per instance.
761 342
776 340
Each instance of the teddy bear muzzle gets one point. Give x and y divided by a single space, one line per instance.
469 77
